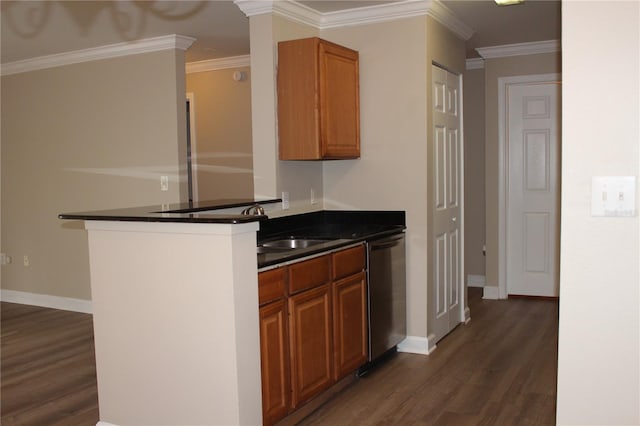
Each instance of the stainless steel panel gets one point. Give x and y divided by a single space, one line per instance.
387 294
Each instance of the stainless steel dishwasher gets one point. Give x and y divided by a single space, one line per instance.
387 302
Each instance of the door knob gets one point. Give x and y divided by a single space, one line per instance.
454 218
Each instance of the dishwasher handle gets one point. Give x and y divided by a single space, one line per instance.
386 242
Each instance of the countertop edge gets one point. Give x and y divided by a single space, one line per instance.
198 212
164 217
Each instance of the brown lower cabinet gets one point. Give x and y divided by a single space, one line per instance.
349 324
274 346
313 328
311 346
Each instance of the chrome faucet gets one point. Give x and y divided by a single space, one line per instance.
254 210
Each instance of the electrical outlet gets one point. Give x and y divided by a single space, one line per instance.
312 196
285 200
25 260
5 259
164 183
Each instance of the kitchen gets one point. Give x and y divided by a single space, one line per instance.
400 101
153 79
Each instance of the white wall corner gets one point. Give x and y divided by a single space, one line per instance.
474 64
417 345
134 47
46 301
491 292
476 280
519 49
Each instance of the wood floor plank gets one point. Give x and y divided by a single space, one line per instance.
48 367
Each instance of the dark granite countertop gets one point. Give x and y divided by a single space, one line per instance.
193 212
339 228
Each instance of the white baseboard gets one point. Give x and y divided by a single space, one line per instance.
101 423
417 345
46 301
491 292
476 280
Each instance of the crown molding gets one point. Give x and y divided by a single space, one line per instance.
446 17
254 7
135 47
218 64
519 49
298 12
376 13
474 64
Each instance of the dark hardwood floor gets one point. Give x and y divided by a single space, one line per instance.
500 369
48 370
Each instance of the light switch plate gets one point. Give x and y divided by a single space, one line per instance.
613 196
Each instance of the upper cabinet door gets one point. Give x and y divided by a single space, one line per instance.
318 100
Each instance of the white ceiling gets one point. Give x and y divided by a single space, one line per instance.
37 28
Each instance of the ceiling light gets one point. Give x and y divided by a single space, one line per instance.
508 2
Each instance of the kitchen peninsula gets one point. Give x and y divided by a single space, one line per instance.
175 296
175 305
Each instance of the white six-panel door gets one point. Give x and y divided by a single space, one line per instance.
446 208
533 189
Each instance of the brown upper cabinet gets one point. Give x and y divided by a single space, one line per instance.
318 100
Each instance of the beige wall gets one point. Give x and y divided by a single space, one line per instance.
271 176
474 207
599 330
297 177
494 69
393 171
222 138
83 137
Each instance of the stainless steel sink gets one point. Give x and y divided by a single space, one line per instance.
292 243
263 250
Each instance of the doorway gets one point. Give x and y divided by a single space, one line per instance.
192 175
529 161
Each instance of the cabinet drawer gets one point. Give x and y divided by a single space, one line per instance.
348 262
271 285
310 273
